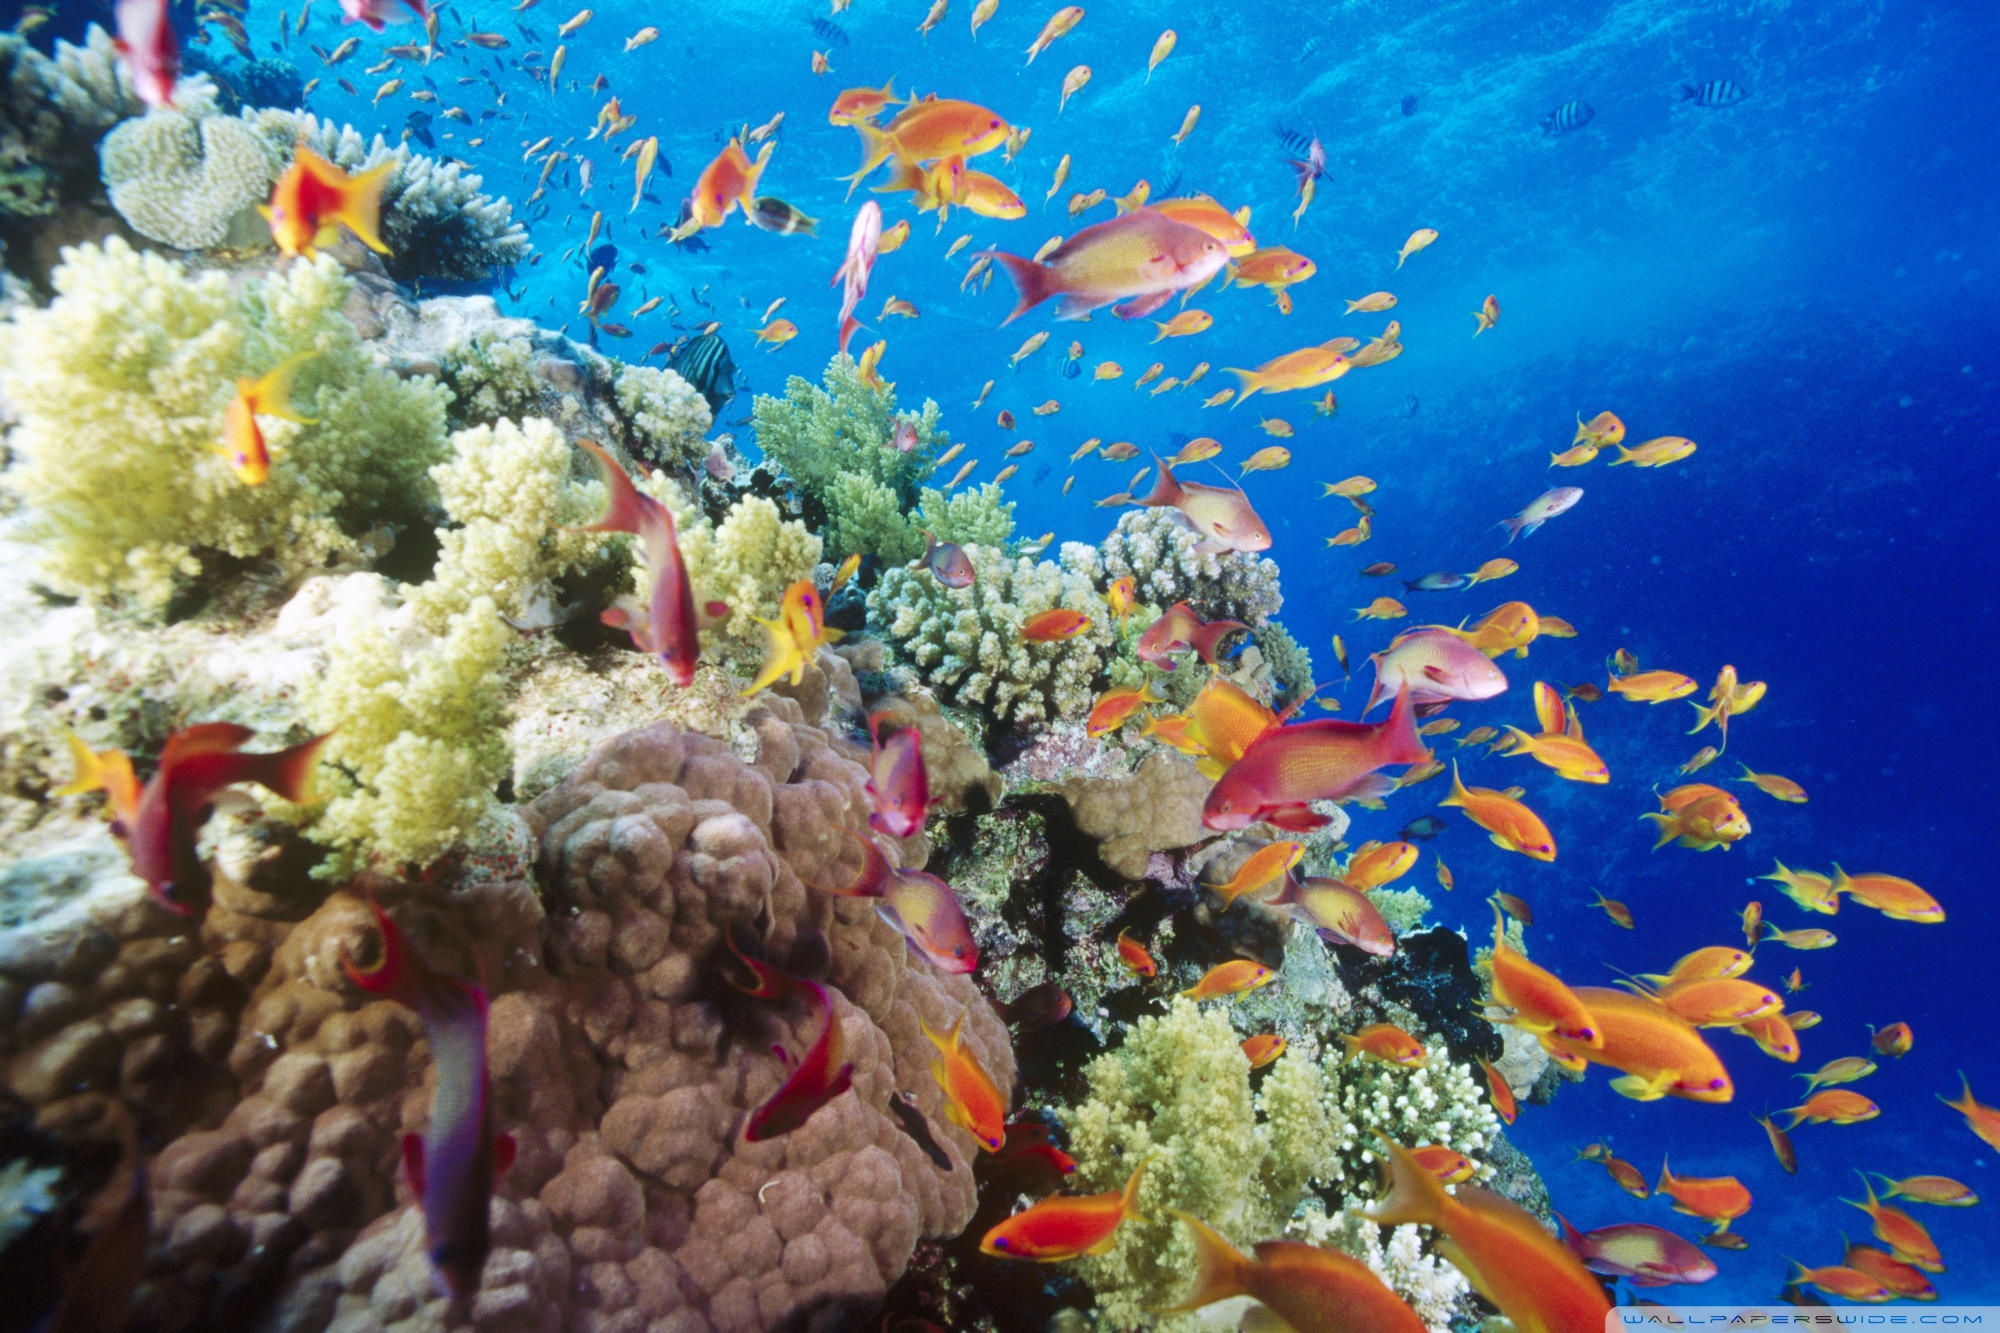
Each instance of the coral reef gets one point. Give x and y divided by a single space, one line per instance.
120 385
977 516
1157 551
746 561
53 108
815 433
666 417
966 642
1156 808
191 179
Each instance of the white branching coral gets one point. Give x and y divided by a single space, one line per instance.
967 642
189 179
666 414
1158 551
1435 1290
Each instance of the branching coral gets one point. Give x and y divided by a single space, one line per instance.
816 433
1158 551
979 516
52 110
121 385
866 516
491 376
967 644
667 417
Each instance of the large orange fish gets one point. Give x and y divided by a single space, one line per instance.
1289 767
1507 822
1700 816
314 199
1066 1226
1312 1290
1536 998
1718 1199
1499 1246
1140 258
930 131
728 182
1658 1053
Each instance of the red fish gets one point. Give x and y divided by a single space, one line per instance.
147 45
1501 1091
1179 627
1057 623
1066 1226
667 628
1288 767
1027 1161
854 270
821 1075
160 824
452 1166
1141 257
314 199
899 786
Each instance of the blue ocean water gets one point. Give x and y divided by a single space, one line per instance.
1802 283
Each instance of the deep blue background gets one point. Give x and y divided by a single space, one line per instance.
1802 283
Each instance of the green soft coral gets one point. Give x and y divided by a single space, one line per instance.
746 561
121 383
980 516
815 433
866 516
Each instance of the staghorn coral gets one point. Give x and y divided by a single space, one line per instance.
665 415
120 384
967 644
191 179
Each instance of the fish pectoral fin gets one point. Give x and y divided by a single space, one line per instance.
413 1163
1645 1089
504 1151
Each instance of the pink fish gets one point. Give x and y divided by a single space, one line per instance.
1288 767
854 270
668 627
453 1165
1540 510
1179 627
921 907
947 562
1646 1256
1141 258
821 1075
1436 667
377 13
905 438
1341 915
898 785
149 49
161 823
1221 515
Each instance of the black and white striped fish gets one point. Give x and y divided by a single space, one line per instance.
1716 92
705 363
1573 115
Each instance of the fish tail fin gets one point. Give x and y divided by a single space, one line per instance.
1166 488
1513 526
1704 716
1206 639
90 767
1399 260
361 205
1352 306
1247 384
1668 829
271 395
877 147
1414 1193
1218 1266
623 507
1034 282
1964 1104
1459 794
1397 742
757 171
288 772
399 975
1624 455
1128 1200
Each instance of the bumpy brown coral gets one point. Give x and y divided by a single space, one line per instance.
1157 808
620 1059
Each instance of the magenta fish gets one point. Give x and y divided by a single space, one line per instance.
921 907
905 438
453 1165
147 45
947 562
1646 1256
1179 627
1436 667
667 627
855 269
1341 915
822 1074
899 787
1289 767
1540 510
161 823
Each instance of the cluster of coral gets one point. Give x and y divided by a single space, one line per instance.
419 580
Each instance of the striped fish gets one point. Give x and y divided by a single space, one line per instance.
1716 92
1569 116
705 363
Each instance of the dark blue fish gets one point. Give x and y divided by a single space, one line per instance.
1442 581
637 267
604 256
1070 366
1410 405
1716 92
1422 829
705 364
1569 116
1409 104
830 33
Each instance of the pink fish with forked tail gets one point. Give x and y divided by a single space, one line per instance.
1436 667
453 1165
899 786
668 626
1644 1255
1289 767
920 906
820 1075
1179 627
1540 510
863 240
1221 515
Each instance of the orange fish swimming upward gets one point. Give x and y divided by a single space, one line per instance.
314 199
242 438
974 1104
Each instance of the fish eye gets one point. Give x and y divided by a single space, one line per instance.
999 1242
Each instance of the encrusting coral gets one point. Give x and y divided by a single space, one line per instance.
121 383
967 643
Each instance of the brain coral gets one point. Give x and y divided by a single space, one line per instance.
620 1060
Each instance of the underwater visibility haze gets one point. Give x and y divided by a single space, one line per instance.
947 664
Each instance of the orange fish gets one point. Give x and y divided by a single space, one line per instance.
1626 1176
1894 1040
1651 687
1066 1225
314 199
1904 1235
1617 911
1699 816
1501 1091
1536 998
1719 1199
1720 1001
1891 895
1385 1042
1134 956
1266 866
1115 708
1286 768
1892 1273
973 1103
1499 1246
1781 1145
1507 822
1449 1165
1940 1190
1833 1106
1568 755
1055 624
242 439
1658 1053
1235 977
1263 1049
729 182
1312 1290
1850 1284
1771 784
1488 315
861 104
1980 1119
1377 865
